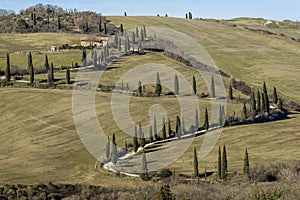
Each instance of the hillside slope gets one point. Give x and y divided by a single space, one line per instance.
249 56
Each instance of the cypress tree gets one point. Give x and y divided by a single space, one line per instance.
142 137
46 63
58 23
34 19
246 169
158 85
68 76
137 32
186 16
125 14
30 68
275 97
51 74
95 58
206 122
133 37
140 88
169 128
155 128
178 127
258 107
176 85
253 102
145 32
219 164
7 69
144 163
86 26
224 163
230 93
150 135
122 29
100 25
267 103
164 132
142 35
245 111
280 104
190 15
196 120
108 148
135 140
221 119
105 29
212 89
196 167
119 44
126 45
194 86
114 152
263 101
83 58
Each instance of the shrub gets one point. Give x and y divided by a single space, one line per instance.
165 173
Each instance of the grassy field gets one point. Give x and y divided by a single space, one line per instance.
252 57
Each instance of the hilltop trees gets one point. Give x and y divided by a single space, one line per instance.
195 163
190 15
7 69
30 68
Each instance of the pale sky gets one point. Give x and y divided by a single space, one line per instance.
219 9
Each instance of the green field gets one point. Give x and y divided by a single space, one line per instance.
39 142
252 57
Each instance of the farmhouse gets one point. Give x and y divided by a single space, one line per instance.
92 41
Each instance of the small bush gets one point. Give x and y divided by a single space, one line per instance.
165 173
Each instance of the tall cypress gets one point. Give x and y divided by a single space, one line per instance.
30 68
245 111
253 102
51 75
100 25
142 35
195 163
164 132
267 102
158 85
219 163
7 69
142 137
135 140
119 44
258 107
145 31
221 118
121 29
178 127
114 152
83 58
144 163
224 163
196 120
105 29
140 88
230 93
275 97
108 148
169 128
212 87
137 32
246 169
176 85
58 23
280 104
263 103
150 135
68 76
206 122
155 128
194 86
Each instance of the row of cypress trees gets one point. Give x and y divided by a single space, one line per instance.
30 68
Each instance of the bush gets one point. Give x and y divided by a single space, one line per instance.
165 173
